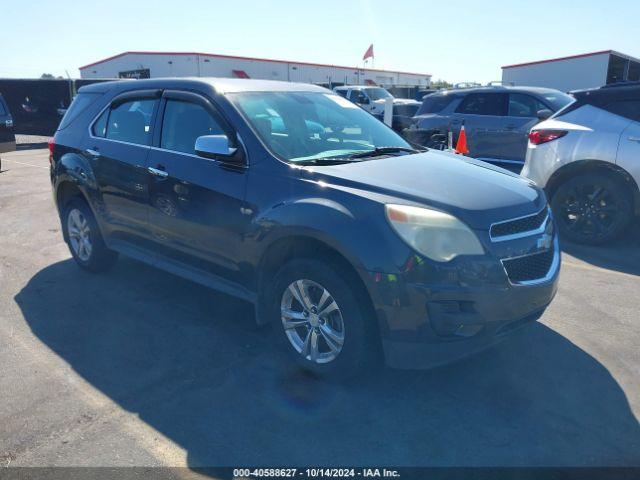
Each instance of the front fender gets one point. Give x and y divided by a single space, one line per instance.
359 231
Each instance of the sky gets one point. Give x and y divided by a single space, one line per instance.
456 41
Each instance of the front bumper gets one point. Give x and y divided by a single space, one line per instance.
434 315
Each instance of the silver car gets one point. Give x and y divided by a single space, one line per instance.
587 158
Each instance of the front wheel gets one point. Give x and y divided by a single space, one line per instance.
592 208
321 320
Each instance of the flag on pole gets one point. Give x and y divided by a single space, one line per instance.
368 53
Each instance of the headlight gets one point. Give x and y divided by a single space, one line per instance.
437 235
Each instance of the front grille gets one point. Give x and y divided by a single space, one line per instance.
520 225
529 267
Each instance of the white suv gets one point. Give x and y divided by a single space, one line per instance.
371 98
587 158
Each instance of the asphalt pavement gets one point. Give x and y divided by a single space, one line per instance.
139 367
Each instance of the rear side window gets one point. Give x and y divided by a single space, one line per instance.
625 108
131 122
483 104
522 105
100 126
183 123
435 103
80 103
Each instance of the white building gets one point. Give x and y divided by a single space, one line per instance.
183 64
588 70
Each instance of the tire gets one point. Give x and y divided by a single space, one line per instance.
592 208
84 238
350 328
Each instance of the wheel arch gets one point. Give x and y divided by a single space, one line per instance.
303 246
593 166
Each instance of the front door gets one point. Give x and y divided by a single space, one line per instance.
196 212
629 148
522 115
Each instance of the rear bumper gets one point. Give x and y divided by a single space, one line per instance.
425 325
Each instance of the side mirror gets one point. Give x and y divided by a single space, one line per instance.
214 146
544 114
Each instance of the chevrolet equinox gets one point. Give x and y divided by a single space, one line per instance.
350 242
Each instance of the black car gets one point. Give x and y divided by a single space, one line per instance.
7 137
348 241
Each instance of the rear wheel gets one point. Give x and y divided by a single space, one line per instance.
84 239
592 208
321 321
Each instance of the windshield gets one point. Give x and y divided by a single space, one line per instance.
298 126
558 100
378 93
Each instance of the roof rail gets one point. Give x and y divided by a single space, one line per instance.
467 85
494 83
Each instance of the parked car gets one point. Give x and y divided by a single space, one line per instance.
497 119
587 158
372 98
7 137
347 240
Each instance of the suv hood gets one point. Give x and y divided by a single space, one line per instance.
398 101
476 192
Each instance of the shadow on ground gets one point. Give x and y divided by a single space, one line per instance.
622 255
192 365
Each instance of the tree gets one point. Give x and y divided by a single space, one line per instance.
438 84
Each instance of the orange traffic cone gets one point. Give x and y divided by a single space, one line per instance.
461 146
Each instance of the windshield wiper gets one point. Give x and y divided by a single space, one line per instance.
382 151
325 161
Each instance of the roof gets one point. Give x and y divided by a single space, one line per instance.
572 57
221 85
234 57
344 87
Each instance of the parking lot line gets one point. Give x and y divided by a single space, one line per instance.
23 163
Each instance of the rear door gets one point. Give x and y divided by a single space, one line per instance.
522 115
118 146
196 209
483 114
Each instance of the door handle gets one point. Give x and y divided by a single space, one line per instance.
634 139
92 153
156 172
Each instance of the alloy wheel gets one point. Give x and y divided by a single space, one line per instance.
589 210
312 321
79 234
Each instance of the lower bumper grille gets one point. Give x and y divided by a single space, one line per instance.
529 268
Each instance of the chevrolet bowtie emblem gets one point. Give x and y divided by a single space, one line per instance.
544 242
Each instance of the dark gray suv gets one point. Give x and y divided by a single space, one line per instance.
497 119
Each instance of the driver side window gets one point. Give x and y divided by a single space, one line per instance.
183 123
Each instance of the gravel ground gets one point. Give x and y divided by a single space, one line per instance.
31 139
